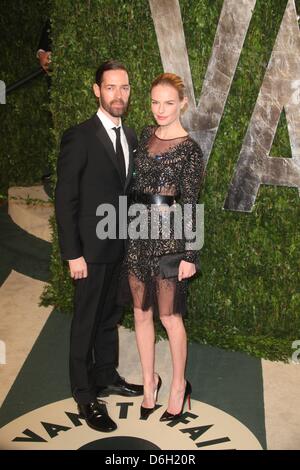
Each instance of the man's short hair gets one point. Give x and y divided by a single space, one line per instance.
108 65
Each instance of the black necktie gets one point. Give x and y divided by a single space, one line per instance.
120 153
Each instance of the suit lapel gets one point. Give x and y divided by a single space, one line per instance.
130 166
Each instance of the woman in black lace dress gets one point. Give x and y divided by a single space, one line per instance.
168 171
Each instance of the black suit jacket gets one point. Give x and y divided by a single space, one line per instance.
45 42
88 175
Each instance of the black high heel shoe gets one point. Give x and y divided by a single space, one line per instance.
146 412
187 396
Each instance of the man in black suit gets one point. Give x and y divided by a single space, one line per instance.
45 47
94 167
44 56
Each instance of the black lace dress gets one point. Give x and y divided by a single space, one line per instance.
169 168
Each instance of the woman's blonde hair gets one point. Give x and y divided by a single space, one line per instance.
170 79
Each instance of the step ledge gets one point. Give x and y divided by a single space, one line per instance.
30 208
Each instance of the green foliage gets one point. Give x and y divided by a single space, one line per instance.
248 297
281 140
25 118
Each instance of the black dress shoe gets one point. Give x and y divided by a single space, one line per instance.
96 417
121 387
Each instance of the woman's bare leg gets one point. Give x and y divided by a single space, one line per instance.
145 338
174 326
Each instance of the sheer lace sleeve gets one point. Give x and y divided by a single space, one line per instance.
191 182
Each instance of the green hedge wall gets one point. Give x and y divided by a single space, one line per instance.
25 118
248 298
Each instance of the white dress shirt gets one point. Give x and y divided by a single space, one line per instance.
108 126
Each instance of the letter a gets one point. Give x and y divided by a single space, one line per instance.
280 89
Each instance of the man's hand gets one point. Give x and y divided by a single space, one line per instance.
186 270
78 268
45 59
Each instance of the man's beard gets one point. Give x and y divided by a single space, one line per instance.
115 112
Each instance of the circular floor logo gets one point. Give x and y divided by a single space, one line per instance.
58 426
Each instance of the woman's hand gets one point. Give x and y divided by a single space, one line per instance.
186 270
